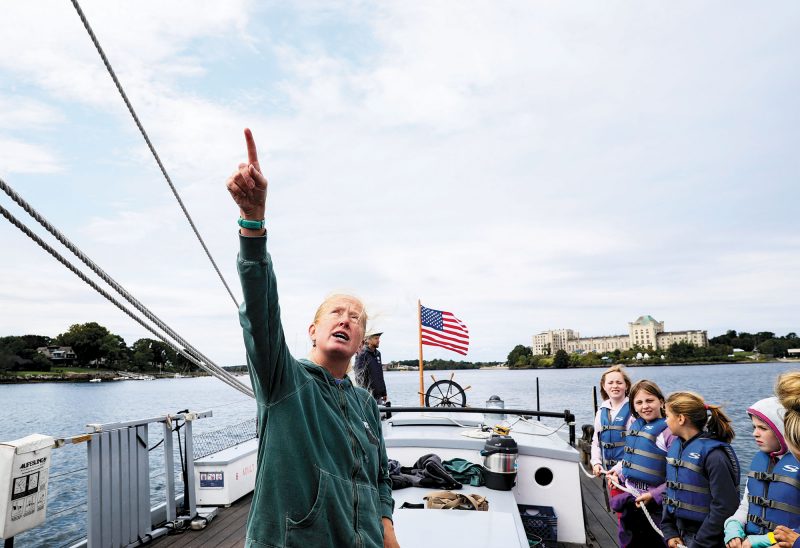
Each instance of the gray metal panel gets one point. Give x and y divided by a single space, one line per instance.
105 488
189 491
169 467
125 487
143 479
93 529
115 502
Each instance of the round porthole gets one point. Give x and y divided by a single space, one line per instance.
543 476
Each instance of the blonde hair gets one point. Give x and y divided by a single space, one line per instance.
703 416
651 388
615 369
788 391
362 319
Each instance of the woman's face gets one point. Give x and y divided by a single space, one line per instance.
338 331
647 405
614 385
765 438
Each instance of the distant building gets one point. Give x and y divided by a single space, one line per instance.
645 332
59 355
551 341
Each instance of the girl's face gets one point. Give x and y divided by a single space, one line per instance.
674 423
647 405
765 438
614 385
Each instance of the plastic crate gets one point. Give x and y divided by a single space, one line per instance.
541 524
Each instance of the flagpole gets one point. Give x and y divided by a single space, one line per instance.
421 366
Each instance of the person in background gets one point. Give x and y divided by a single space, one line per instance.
702 473
322 478
369 369
788 392
642 468
773 483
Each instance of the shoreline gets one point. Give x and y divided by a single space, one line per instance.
72 377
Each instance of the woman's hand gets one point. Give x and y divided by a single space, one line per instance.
597 470
247 186
785 536
644 499
389 538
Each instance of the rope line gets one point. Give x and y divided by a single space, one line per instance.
150 144
62 474
627 490
211 369
65 510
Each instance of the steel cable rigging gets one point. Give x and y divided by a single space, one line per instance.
188 351
150 144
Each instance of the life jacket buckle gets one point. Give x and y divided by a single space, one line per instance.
760 501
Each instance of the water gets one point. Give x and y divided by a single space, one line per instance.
61 410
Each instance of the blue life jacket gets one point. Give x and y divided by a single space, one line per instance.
643 460
612 434
688 495
774 494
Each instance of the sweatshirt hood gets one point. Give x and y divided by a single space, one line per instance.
771 412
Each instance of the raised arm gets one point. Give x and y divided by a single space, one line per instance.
267 354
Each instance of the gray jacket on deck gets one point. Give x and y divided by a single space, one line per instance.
322 477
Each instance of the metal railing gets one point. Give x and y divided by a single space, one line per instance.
119 501
566 415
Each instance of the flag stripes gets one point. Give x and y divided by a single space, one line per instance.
443 329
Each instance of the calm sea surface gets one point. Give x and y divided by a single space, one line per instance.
61 410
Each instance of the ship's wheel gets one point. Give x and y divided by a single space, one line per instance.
445 393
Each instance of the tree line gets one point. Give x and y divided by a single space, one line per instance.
437 364
94 346
719 349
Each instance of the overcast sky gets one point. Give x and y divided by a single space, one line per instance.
523 165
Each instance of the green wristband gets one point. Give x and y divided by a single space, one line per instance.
252 225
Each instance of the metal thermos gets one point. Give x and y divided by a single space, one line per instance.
500 461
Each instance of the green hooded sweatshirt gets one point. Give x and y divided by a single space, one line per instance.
322 477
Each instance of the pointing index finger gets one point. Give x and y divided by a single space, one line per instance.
252 153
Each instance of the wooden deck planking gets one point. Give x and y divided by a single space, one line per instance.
601 525
227 530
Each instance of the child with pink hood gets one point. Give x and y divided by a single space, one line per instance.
772 494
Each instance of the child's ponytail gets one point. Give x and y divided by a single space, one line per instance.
720 424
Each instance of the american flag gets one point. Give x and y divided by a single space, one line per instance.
440 328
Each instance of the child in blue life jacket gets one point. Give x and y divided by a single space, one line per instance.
612 420
642 468
702 473
772 493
